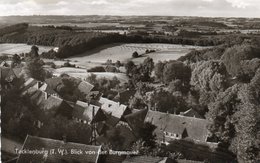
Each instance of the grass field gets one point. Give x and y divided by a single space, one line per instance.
83 74
123 52
7 49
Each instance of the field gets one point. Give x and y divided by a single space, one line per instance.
7 49
124 52
83 74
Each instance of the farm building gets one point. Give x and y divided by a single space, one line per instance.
171 127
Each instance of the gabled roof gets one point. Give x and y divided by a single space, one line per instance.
36 143
85 111
112 108
191 113
54 82
136 119
196 128
46 88
147 159
38 96
128 138
56 106
85 87
51 102
29 83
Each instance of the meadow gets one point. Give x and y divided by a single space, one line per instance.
123 53
9 49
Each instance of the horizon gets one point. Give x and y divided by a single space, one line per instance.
236 17
182 8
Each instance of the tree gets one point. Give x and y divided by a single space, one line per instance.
147 135
158 69
234 121
135 55
34 51
130 66
176 70
147 68
34 68
118 64
16 60
233 56
209 75
249 68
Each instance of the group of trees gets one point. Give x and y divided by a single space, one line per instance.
221 83
34 65
68 89
104 85
229 89
140 73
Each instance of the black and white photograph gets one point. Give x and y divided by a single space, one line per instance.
130 81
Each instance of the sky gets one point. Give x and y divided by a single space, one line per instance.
206 8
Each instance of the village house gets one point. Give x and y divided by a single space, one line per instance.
56 106
136 119
85 87
33 84
87 113
114 110
171 127
34 143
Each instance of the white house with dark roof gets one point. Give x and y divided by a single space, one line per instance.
87 113
170 126
113 108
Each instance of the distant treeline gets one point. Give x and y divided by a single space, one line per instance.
14 28
72 43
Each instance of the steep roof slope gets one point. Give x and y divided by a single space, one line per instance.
196 128
36 143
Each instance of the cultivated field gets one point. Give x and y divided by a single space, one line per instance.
124 52
7 49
